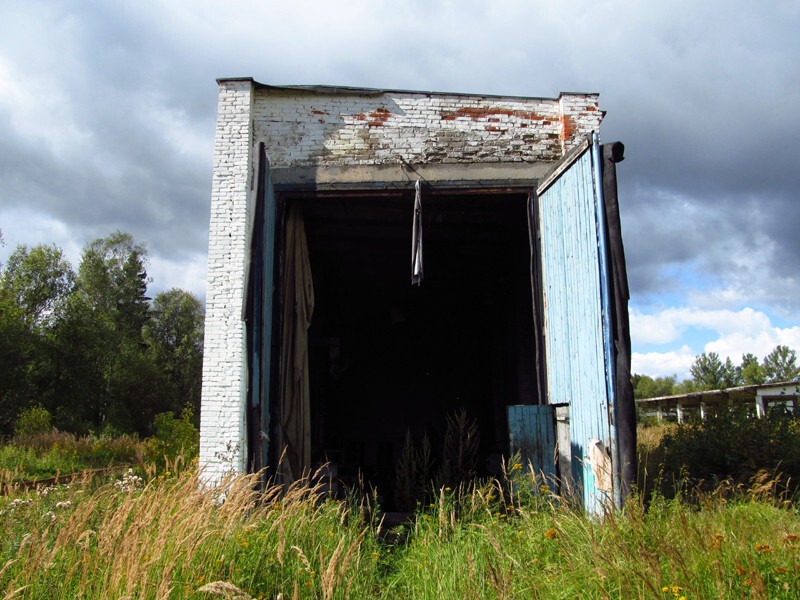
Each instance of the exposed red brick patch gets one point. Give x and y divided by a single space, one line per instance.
321 120
486 113
591 108
318 112
380 114
374 123
360 116
567 127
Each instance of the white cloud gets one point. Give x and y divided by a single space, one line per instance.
726 332
663 364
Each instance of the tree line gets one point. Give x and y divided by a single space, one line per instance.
90 346
710 372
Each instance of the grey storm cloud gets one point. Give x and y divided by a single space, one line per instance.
702 94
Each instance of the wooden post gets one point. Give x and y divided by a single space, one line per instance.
680 412
761 406
702 411
660 412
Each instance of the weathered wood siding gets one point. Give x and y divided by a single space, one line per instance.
573 316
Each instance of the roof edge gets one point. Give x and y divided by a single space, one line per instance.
335 89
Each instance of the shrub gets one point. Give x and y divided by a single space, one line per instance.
731 444
174 437
35 419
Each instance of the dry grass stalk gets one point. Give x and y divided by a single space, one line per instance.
226 590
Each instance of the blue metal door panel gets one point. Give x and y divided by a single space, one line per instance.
531 432
573 315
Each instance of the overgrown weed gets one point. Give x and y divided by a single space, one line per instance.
170 537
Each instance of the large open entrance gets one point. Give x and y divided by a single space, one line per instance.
389 360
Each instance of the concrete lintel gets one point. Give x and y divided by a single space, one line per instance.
400 174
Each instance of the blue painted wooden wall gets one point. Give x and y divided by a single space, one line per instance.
573 315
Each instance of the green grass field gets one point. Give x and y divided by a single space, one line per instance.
167 537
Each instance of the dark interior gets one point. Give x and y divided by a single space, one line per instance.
386 357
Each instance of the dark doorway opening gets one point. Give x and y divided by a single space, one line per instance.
389 359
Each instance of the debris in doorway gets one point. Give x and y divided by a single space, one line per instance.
416 238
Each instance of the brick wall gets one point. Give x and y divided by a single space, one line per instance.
302 128
222 417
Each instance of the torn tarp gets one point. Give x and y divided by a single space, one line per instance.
416 239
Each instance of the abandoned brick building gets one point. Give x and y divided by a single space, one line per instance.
381 260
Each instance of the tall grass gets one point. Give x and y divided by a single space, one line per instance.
47 454
172 538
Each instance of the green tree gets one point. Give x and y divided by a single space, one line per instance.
780 365
39 280
647 387
708 372
750 370
686 386
731 376
107 378
174 335
34 286
17 349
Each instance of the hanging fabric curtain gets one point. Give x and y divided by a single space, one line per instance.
298 308
416 239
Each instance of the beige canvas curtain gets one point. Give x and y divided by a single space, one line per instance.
298 308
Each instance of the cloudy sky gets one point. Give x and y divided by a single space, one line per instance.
107 114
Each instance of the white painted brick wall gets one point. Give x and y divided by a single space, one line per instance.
301 128
223 440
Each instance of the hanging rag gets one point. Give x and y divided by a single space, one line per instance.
294 434
416 239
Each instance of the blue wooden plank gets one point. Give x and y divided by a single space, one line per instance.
573 316
531 431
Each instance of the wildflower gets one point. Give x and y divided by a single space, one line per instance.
551 534
49 516
129 482
544 488
516 467
763 548
64 504
447 489
791 537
